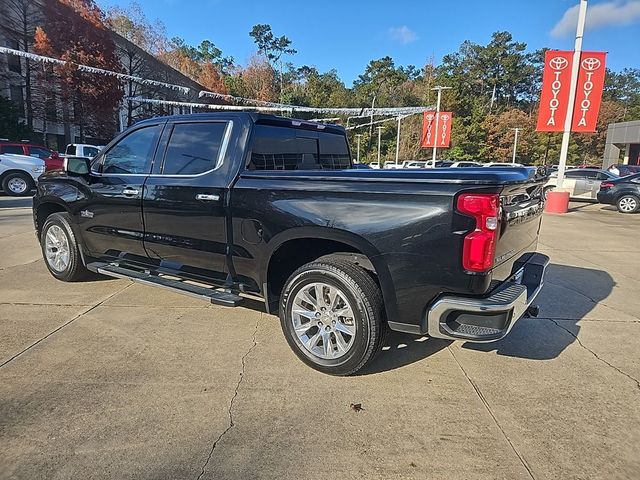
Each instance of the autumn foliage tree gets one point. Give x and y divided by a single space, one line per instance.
74 32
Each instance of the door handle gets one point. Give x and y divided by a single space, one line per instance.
130 191
206 197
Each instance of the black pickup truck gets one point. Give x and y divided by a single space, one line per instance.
253 209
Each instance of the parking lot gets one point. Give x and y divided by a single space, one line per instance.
111 379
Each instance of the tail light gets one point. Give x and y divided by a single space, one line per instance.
605 185
479 246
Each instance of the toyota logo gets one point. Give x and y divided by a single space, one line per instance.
559 63
590 64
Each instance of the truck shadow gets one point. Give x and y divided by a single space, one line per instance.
569 295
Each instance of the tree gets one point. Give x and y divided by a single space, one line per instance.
140 37
501 136
94 97
272 47
624 87
204 64
132 24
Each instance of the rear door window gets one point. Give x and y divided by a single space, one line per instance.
39 152
193 148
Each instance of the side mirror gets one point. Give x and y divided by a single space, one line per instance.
77 165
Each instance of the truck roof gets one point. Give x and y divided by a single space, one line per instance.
253 117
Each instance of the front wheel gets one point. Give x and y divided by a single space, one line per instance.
331 313
60 249
628 204
17 184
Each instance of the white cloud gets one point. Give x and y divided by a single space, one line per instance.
403 34
612 13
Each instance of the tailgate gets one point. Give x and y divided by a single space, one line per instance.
521 213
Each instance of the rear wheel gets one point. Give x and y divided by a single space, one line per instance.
60 249
628 204
331 313
17 184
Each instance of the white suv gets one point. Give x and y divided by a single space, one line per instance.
18 173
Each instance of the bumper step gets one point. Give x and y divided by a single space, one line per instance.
490 318
212 294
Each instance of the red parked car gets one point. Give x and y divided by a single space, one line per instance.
52 160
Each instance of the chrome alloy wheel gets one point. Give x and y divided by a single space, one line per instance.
628 204
57 248
323 321
18 185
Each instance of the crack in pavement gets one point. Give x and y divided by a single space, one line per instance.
622 372
63 325
581 320
21 264
495 420
233 398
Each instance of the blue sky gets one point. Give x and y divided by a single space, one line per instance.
346 35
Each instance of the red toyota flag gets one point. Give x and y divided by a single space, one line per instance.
554 98
589 92
440 138
428 130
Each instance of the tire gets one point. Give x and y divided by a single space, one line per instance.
56 238
17 184
362 328
628 204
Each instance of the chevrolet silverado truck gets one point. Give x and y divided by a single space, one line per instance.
257 210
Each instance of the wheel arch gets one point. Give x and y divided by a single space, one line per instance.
296 247
44 210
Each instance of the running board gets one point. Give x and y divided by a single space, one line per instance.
218 297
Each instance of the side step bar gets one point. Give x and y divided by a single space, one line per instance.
218 297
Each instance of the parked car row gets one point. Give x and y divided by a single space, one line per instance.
391 165
602 186
21 163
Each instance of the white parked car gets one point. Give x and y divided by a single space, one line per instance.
19 173
581 183
465 164
81 150
502 164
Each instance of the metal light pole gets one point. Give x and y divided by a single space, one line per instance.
358 150
515 144
379 133
439 89
575 68
398 142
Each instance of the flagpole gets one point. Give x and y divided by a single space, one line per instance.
575 68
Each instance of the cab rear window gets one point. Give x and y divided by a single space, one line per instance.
282 148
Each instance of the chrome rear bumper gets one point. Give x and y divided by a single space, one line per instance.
491 318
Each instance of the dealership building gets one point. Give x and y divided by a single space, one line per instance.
623 140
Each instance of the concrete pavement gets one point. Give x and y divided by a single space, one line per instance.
110 379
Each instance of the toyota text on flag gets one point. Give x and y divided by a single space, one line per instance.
554 97
589 92
432 138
